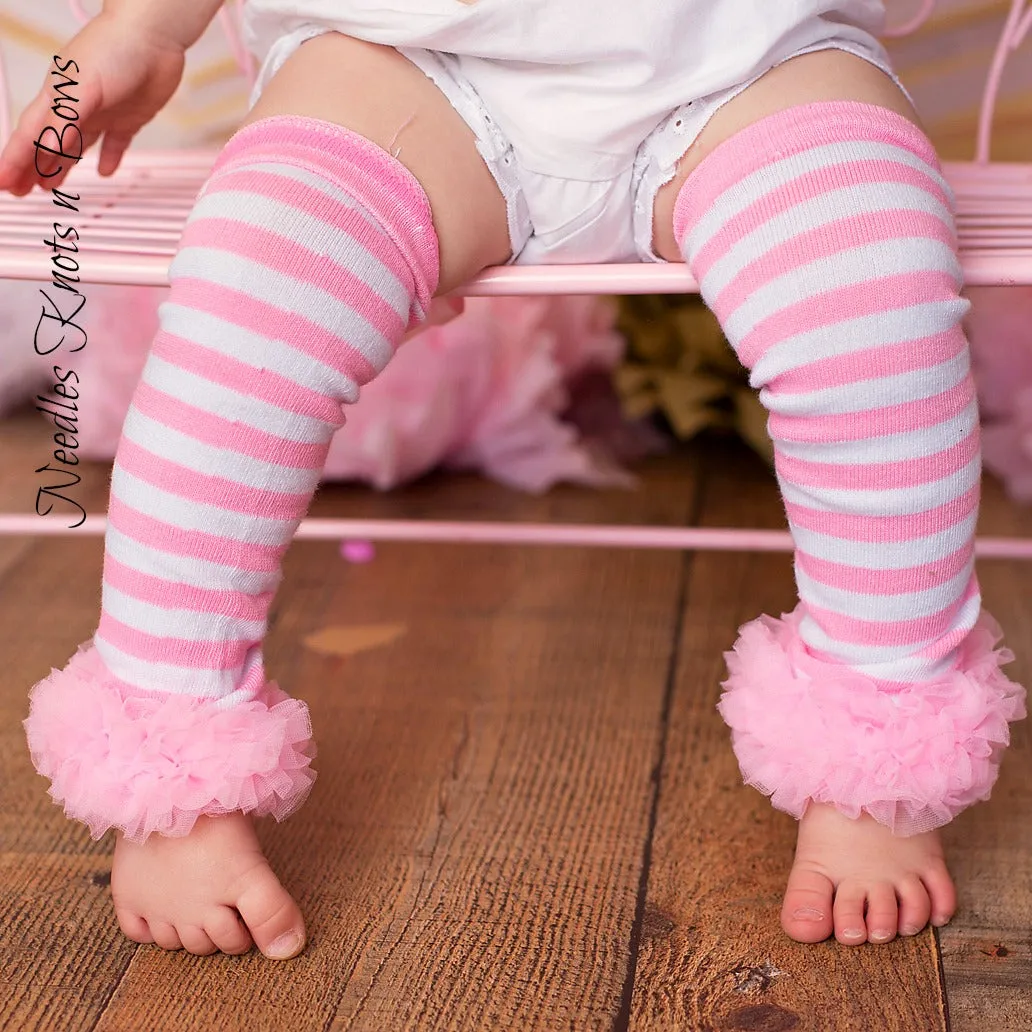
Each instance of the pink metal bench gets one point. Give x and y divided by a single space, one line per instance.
130 224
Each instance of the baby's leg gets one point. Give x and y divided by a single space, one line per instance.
813 213
308 255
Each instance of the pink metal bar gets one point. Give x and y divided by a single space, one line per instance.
491 533
923 14
1015 28
130 225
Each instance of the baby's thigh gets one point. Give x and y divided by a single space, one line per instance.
823 75
375 92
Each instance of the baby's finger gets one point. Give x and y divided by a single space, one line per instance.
111 152
44 147
18 155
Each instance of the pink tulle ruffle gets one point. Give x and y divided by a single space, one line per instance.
804 729
143 762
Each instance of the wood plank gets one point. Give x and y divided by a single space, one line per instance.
472 854
986 948
711 954
61 953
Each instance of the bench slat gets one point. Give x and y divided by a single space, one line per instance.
129 226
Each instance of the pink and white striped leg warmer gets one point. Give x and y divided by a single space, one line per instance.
823 239
309 254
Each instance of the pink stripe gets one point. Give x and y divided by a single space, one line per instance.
296 262
195 655
380 182
829 239
885 529
875 296
937 650
349 221
880 422
872 363
885 582
176 414
812 183
168 594
242 555
895 473
293 328
853 631
207 489
787 133
248 380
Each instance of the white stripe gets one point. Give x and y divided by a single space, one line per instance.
325 240
168 508
166 677
891 663
886 555
910 605
225 338
856 266
187 624
198 573
878 329
899 501
748 190
913 444
875 393
833 206
332 190
210 460
294 296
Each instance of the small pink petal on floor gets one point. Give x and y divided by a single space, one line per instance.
358 551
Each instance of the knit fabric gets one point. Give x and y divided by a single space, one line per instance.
308 255
823 239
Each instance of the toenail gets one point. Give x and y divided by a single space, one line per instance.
909 930
852 933
881 935
939 920
808 914
285 946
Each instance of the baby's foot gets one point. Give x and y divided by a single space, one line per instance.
208 891
881 884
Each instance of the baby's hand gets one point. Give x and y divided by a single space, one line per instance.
208 891
122 76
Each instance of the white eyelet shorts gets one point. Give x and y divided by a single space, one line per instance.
580 108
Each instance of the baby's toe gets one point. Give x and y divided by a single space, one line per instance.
806 912
941 890
228 932
914 905
882 912
165 935
133 926
850 927
271 915
196 940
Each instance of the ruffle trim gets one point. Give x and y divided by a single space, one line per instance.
145 762
804 729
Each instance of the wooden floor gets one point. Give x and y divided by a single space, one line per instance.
528 814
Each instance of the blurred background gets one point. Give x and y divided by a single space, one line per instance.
533 391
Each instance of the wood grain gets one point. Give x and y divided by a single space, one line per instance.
987 948
712 955
472 853
486 815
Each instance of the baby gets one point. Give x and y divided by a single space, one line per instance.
392 152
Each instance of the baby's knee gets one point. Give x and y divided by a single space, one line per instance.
383 97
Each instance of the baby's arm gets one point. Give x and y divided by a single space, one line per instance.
115 75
